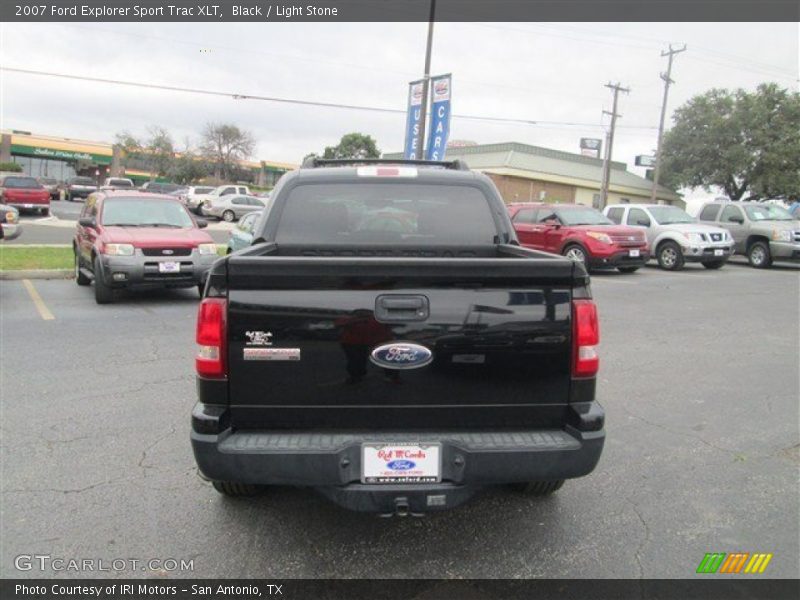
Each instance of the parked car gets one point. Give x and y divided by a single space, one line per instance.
674 236
762 232
395 371
53 186
218 192
158 187
80 187
139 240
231 208
193 197
9 223
118 183
581 233
24 193
242 235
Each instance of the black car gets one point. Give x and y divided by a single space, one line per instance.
387 342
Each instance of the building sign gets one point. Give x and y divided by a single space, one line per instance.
591 147
644 160
49 153
441 88
414 123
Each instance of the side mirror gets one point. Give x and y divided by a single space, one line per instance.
201 223
87 222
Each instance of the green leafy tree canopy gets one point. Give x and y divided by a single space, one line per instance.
353 145
746 143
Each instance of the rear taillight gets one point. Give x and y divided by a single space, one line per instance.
211 331
585 338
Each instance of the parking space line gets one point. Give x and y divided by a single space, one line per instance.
44 312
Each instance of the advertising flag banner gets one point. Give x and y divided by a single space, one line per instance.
441 88
414 123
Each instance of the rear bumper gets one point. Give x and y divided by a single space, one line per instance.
621 258
331 461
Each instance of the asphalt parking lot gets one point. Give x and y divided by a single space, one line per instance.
699 378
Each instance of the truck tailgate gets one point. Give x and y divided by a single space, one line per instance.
301 331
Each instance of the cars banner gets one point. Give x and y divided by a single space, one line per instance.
441 87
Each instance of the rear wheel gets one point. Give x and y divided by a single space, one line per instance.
575 253
45 211
80 278
670 257
537 488
759 256
627 269
103 294
229 216
715 264
229 488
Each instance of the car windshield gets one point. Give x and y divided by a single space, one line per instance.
21 183
82 181
768 212
121 183
669 215
142 212
583 216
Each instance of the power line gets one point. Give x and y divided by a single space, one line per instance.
294 101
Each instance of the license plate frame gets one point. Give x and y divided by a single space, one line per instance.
634 253
169 267
719 252
375 467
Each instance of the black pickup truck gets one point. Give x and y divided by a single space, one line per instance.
386 341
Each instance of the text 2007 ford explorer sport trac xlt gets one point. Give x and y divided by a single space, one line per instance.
388 342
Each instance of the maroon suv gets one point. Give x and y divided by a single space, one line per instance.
581 233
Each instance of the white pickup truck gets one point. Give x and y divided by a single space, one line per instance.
195 201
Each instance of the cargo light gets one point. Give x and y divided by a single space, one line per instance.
585 338
211 331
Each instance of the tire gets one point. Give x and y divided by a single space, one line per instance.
537 488
102 293
80 278
236 490
201 288
758 255
576 253
627 269
228 216
715 264
670 257
45 212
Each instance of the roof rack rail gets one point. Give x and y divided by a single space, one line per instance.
313 162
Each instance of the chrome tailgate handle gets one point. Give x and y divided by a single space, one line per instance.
396 308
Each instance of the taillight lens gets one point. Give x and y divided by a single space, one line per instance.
585 338
211 331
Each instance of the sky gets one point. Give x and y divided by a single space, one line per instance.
551 73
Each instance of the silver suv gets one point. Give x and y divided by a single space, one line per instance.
763 232
674 236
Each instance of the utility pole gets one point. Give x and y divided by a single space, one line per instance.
610 142
426 79
667 81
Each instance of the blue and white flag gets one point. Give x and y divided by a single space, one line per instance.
414 122
441 86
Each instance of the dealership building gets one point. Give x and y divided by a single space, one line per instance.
525 173
61 158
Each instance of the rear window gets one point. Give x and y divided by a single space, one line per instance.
21 183
709 212
120 182
401 213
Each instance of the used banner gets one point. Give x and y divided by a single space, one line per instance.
414 123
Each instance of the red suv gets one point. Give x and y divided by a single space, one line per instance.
24 193
580 232
130 239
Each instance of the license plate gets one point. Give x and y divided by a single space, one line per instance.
719 252
169 267
28 205
633 253
401 463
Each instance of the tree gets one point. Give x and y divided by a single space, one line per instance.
743 142
156 153
353 145
224 145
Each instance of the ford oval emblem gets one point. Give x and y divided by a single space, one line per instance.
401 355
401 465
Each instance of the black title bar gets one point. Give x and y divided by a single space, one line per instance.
261 11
